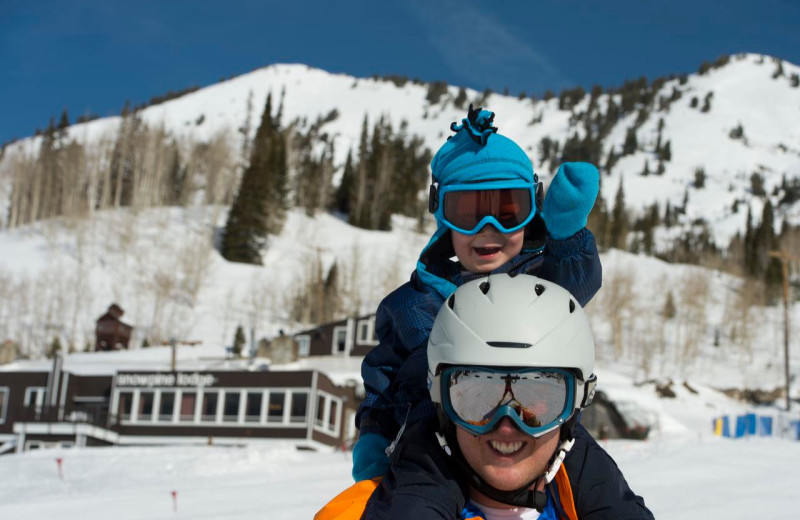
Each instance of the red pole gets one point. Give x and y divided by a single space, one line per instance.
174 501
59 460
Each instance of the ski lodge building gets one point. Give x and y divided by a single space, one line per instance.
135 398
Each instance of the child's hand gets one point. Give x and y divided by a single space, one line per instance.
570 198
369 457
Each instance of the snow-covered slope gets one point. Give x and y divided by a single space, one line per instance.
57 277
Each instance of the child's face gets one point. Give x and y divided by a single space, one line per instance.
488 249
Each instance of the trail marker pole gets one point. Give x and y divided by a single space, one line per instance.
59 460
174 501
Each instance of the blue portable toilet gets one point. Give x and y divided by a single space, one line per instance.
726 426
765 426
741 426
795 430
750 424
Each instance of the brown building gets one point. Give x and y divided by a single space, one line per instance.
348 337
57 407
111 333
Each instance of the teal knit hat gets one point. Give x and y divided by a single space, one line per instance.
478 153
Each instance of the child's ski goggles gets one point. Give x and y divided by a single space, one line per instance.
467 208
536 400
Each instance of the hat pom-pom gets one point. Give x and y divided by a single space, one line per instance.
478 125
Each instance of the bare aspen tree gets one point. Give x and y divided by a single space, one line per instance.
350 286
194 266
692 315
79 287
650 334
741 312
244 131
216 162
258 302
23 172
617 303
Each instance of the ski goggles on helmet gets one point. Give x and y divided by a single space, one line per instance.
467 208
536 400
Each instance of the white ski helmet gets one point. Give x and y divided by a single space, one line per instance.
512 322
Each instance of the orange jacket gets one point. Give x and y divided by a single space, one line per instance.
350 503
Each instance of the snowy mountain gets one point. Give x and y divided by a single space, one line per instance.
735 119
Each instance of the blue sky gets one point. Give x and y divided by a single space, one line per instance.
89 56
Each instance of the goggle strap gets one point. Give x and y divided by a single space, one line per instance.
588 391
561 453
433 197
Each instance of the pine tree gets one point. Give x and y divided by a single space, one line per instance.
669 310
55 347
239 341
357 216
611 159
766 241
460 99
699 178
344 193
750 252
618 232
666 152
260 203
176 179
631 143
707 102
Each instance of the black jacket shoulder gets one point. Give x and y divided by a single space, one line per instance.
599 489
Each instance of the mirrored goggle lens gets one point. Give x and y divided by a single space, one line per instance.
465 209
538 398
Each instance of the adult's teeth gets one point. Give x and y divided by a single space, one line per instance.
506 448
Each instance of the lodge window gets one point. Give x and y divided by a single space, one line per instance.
329 410
34 398
145 411
276 407
299 407
366 332
339 340
4 391
253 407
125 405
281 407
303 346
230 408
209 408
188 403
166 407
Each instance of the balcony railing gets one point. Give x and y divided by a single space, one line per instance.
88 415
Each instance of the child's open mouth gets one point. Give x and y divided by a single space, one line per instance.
487 251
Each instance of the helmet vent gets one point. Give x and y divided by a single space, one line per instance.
539 289
571 306
484 287
508 344
451 302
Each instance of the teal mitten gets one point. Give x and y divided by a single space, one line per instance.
570 198
369 457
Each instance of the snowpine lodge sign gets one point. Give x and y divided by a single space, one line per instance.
151 380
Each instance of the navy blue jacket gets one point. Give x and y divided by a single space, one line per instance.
395 371
424 483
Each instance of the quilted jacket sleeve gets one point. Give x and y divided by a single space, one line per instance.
573 263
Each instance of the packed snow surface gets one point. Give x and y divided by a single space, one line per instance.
692 477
